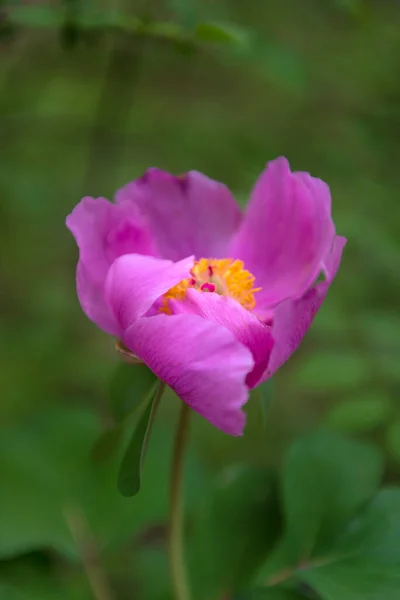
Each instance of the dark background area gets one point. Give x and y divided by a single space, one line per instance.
83 110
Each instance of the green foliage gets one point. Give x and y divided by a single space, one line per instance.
220 33
332 371
129 387
267 594
286 87
45 469
36 16
341 537
363 413
393 439
265 394
235 530
325 480
10 593
132 463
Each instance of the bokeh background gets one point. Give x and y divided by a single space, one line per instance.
89 100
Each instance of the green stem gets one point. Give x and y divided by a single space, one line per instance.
176 554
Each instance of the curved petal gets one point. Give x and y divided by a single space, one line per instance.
285 233
246 327
135 282
293 318
203 363
103 231
188 214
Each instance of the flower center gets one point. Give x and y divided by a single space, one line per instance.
225 277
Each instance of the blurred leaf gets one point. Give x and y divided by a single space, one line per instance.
363 558
148 562
106 444
326 479
129 387
70 34
221 33
353 579
380 329
351 7
32 577
45 467
163 29
36 16
393 439
389 367
374 534
363 413
237 529
368 555
267 594
10 593
131 466
332 371
186 10
265 393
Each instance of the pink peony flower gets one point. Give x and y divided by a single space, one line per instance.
212 300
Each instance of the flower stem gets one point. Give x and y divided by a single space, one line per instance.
176 554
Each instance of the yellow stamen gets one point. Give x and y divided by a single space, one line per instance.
225 277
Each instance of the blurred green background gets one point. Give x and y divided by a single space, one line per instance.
88 101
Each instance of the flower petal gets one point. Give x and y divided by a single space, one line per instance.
188 214
293 318
103 231
202 362
285 233
246 327
135 282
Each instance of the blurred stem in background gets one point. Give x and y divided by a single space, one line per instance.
89 553
176 534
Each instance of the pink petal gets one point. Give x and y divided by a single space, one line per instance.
135 282
246 327
103 231
189 214
285 233
294 317
202 362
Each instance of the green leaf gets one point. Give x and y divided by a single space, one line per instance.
363 413
186 10
36 16
132 463
332 371
30 578
365 561
283 65
265 393
129 387
221 33
353 580
374 534
106 444
353 8
45 468
326 480
267 594
235 531
393 439
11 593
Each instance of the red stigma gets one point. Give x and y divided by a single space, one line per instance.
208 287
